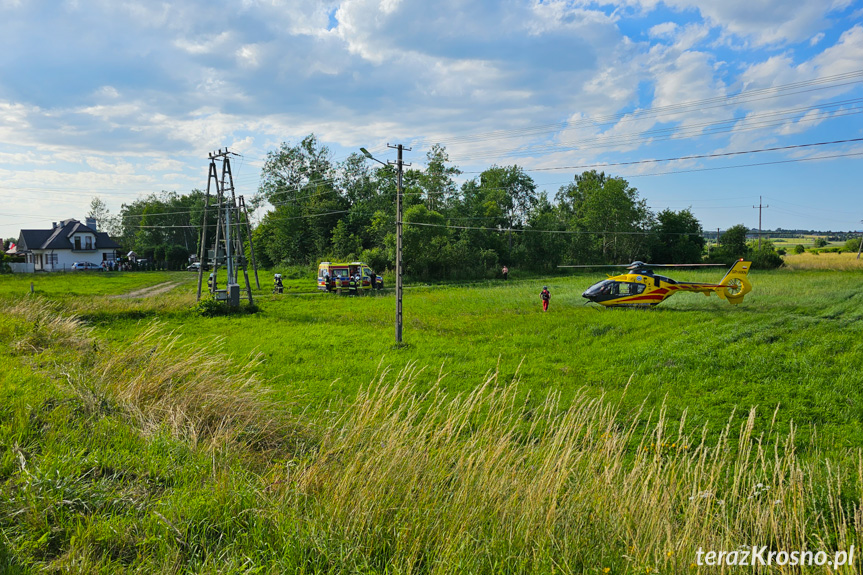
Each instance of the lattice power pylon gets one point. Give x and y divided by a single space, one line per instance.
227 248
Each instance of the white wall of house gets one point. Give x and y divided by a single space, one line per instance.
62 260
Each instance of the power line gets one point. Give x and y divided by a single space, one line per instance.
698 156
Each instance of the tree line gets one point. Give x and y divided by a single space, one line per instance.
327 210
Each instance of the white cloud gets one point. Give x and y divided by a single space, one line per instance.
208 44
664 30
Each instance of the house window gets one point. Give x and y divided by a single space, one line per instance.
88 242
52 259
77 242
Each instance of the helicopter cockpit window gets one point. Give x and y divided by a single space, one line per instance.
606 287
614 288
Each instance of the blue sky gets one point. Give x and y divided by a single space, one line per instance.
121 99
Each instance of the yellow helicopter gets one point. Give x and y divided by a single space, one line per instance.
640 287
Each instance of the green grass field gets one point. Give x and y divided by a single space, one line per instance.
187 439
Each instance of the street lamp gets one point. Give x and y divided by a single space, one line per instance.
399 264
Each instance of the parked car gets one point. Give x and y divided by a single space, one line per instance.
193 267
87 266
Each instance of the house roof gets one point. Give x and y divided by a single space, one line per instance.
59 238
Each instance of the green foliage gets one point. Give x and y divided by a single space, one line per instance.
766 259
211 307
345 244
799 249
168 219
324 210
677 238
425 243
852 245
732 242
613 220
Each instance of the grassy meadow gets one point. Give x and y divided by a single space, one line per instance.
139 436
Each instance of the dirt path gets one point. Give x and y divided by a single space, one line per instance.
150 291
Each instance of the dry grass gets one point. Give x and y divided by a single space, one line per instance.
823 261
48 327
486 483
196 393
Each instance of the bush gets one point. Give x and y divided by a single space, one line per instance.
798 249
210 307
376 258
852 245
766 260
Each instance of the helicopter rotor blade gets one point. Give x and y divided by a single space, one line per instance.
683 265
598 266
634 265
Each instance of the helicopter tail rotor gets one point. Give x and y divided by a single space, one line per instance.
735 284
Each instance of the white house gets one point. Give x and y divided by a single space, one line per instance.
65 243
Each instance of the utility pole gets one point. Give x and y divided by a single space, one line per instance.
759 206
399 235
399 228
860 248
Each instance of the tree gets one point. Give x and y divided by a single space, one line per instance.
677 238
732 243
544 249
300 182
437 180
612 220
424 246
104 220
345 244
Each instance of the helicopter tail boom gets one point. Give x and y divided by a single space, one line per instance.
735 284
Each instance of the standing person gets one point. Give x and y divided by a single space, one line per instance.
545 295
505 272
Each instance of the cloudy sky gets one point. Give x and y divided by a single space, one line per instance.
121 98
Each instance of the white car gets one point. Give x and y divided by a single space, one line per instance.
86 266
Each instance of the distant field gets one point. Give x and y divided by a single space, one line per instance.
805 241
846 261
137 435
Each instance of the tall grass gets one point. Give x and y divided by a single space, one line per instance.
47 327
196 392
486 482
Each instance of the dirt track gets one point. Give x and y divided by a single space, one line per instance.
150 291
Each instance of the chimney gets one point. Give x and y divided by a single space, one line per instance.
53 225
91 223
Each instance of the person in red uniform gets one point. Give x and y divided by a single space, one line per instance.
546 296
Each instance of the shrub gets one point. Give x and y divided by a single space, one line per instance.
210 307
798 249
766 260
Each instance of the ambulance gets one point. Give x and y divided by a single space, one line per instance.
340 274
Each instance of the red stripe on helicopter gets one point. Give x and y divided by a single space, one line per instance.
643 297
